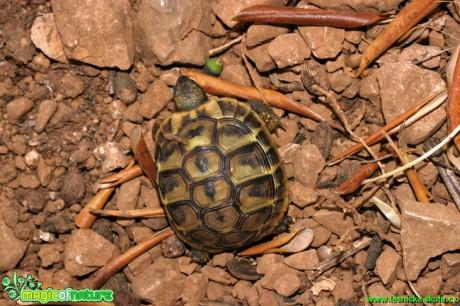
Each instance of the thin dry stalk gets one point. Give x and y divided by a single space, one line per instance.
421 192
416 161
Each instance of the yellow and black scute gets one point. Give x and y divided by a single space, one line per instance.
220 176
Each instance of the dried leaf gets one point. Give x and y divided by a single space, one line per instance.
354 182
408 17
303 16
221 87
453 106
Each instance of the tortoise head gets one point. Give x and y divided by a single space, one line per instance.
188 95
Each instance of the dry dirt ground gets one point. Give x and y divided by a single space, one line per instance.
77 76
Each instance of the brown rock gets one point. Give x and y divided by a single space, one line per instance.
260 33
195 288
141 233
172 247
85 251
12 249
265 262
173 32
46 110
125 87
377 289
44 173
32 158
132 113
276 271
72 85
63 279
50 253
428 56
32 199
18 108
128 193
221 259
186 265
308 163
137 266
45 36
322 235
15 32
218 275
236 74
59 224
388 265
288 50
267 298
428 173
28 181
336 222
370 89
324 42
429 284
225 10
73 188
287 285
259 55
402 85
97 33
127 198
19 145
427 231
241 289
112 156
286 135
302 260
301 195
9 173
215 291
155 99
450 265
161 283
404 193
452 285
339 80
343 290
63 114
399 288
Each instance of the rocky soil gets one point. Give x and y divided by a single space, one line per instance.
77 76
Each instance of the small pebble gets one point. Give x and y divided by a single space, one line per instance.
73 188
46 110
18 108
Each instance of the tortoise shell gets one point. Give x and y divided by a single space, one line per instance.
220 177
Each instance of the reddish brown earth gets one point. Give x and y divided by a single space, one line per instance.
75 79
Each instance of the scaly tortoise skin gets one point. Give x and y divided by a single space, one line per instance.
220 177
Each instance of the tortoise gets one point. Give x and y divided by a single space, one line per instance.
220 177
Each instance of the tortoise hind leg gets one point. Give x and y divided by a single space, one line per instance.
265 112
283 226
199 256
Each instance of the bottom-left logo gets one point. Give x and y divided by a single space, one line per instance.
27 289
